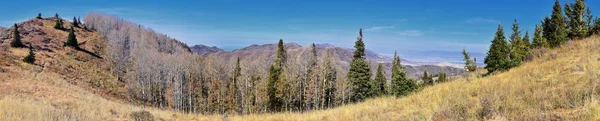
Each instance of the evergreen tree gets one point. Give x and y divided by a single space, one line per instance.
526 40
72 39
234 94
497 58
401 85
16 38
39 16
56 16
555 27
75 23
470 65
30 58
579 19
380 81
538 38
275 82
359 75
596 26
427 78
518 48
59 24
442 77
330 74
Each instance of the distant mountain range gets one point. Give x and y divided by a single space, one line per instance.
265 53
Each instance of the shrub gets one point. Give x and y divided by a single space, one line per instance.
142 116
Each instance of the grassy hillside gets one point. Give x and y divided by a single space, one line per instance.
67 84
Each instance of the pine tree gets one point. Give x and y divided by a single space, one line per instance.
526 40
30 58
497 58
578 19
312 89
380 81
59 24
401 85
330 74
518 48
274 92
56 16
75 23
596 26
72 39
442 77
538 38
16 38
427 78
234 94
39 16
470 65
555 27
359 75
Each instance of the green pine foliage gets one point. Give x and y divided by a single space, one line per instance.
442 77
555 27
579 18
470 65
497 58
16 42
59 24
596 27
30 58
359 75
276 79
72 39
526 40
518 47
75 22
427 78
401 85
380 81
538 38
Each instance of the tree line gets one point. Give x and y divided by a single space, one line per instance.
573 22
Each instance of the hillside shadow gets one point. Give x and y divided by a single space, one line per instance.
88 52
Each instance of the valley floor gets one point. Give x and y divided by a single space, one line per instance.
560 84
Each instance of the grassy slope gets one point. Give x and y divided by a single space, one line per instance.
561 84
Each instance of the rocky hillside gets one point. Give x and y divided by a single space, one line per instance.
203 49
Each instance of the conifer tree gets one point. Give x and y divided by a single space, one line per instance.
75 23
442 77
470 65
555 27
16 42
56 16
275 81
538 38
59 24
359 75
578 19
497 58
596 26
30 58
72 39
401 85
518 48
39 16
330 77
380 81
234 94
527 40
427 78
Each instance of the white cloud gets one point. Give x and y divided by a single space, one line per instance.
379 28
480 20
411 33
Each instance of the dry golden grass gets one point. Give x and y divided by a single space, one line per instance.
559 85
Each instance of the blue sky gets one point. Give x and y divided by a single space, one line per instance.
413 28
